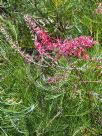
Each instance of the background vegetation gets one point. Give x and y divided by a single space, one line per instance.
41 100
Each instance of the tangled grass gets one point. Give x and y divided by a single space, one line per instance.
41 98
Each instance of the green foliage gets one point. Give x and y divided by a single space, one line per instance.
54 100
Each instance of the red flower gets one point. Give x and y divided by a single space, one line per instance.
45 45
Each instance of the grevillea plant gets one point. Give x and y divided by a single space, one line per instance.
46 45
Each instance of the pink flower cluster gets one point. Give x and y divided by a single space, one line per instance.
45 44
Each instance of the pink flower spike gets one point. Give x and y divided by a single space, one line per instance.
48 46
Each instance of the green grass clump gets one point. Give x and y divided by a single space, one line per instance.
38 99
